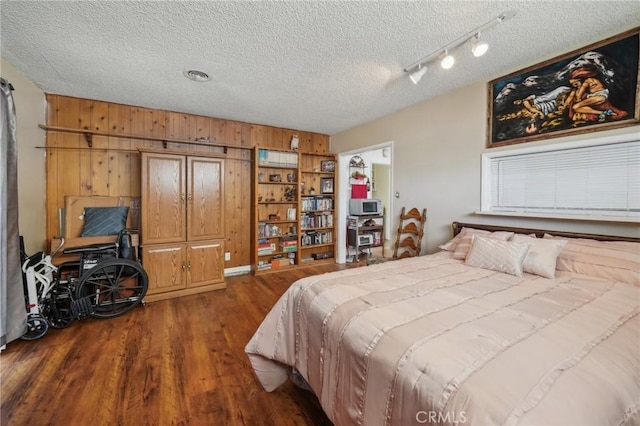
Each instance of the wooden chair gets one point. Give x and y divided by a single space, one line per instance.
410 232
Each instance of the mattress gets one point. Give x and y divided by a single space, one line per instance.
431 340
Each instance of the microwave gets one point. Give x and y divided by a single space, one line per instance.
364 206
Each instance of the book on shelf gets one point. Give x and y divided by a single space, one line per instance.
263 266
288 240
316 220
289 243
268 230
318 202
266 247
277 158
310 238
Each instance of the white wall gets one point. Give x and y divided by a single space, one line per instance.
30 111
436 164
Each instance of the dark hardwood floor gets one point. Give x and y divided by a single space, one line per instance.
172 362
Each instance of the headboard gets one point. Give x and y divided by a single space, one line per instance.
457 227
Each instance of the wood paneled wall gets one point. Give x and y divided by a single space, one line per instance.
112 165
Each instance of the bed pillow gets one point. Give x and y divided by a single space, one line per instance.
462 249
452 243
99 221
497 255
542 255
613 260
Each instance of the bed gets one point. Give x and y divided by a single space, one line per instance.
477 334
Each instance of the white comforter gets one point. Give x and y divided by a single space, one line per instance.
431 340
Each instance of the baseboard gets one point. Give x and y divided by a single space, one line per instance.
238 270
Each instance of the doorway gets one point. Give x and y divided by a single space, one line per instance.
378 167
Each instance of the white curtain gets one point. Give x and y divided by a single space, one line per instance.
13 314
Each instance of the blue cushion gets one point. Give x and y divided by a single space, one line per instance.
100 221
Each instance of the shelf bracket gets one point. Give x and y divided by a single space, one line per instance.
89 138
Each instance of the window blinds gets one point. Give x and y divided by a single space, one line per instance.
602 180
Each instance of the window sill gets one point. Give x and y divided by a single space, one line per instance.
622 220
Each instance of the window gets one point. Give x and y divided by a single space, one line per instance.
595 179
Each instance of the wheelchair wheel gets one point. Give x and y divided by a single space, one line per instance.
37 326
113 286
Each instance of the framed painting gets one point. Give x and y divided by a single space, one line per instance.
328 166
590 89
326 185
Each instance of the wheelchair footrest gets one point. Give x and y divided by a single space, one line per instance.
82 307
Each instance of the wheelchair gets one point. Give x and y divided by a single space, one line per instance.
106 282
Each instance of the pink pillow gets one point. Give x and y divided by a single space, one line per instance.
613 260
452 243
464 245
542 255
497 255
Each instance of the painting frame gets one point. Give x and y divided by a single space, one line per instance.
326 185
594 88
327 166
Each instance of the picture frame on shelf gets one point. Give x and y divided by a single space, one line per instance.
328 166
326 185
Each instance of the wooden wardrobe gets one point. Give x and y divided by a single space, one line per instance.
182 214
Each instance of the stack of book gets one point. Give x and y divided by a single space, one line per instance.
265 247
289 244
263 266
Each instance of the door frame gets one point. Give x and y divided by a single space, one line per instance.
344 193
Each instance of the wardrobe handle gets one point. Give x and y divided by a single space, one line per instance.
184 266
182 198
189 197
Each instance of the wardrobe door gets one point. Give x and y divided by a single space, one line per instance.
205 262
205 199
166 265
164 198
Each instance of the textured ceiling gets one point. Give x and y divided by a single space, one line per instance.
308 65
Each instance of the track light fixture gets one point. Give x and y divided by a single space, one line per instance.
417 75
478 48
448 61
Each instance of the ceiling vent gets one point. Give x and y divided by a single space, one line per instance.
196 75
